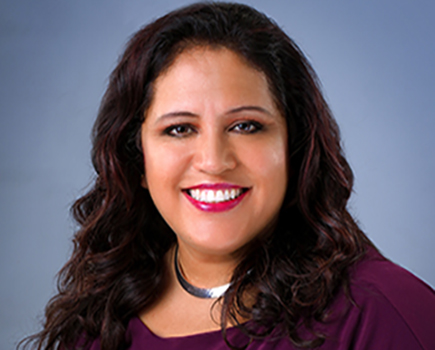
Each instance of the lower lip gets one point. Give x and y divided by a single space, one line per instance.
216 207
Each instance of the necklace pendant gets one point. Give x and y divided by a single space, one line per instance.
204 293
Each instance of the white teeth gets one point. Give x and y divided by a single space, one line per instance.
202 196
219 196
233 193
194 193
212 196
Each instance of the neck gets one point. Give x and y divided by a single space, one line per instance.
204 293
205 270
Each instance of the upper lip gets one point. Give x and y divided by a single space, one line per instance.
215 186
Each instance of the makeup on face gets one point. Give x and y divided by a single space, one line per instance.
215 149
215 197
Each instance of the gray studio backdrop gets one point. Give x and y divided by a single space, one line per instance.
375 59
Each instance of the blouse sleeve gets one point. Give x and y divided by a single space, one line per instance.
392 309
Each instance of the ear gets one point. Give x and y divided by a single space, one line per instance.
143 181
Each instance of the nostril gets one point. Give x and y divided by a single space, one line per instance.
215 159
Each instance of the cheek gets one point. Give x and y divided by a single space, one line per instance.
162 165
268 161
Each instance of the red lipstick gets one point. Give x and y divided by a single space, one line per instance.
219 206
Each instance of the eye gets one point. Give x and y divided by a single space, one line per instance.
247 127
179 130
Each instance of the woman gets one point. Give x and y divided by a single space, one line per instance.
218 216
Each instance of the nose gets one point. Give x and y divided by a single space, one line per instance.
214 154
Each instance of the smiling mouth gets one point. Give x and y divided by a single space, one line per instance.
216 196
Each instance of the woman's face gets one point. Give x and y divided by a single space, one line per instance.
215 150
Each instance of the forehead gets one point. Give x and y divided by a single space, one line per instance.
201 49
198 57
207 73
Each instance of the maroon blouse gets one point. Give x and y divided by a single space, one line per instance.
394 310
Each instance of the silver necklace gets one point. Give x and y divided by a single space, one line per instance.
205 293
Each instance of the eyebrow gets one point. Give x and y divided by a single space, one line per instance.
249 108
231 111
176 114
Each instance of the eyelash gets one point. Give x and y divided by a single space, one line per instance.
250 124
184 130
172 130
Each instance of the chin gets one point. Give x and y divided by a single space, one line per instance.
217 245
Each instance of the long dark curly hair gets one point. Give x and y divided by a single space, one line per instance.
117 267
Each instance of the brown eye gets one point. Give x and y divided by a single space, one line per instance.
181 130
247 127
